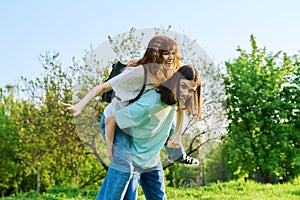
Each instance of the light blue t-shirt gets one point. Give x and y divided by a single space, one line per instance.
148 120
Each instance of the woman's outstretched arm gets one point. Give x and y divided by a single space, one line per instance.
97 90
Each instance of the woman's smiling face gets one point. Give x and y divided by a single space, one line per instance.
168 58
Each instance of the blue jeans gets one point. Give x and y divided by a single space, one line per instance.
122 178
152 182
120 169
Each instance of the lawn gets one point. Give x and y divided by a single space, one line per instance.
234 190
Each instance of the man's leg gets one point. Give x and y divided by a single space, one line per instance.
114 186
132 190
153 185
120 169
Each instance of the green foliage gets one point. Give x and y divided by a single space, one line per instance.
9 165
215 167
263 140
40 146
181 175
127 45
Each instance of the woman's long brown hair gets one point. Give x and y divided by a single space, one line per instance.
153 57
170 90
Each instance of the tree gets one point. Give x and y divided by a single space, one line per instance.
262 137
51 141
9 146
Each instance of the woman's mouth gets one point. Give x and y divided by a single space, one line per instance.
168 65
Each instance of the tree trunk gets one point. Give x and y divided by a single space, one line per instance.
265 176
77 176
38 179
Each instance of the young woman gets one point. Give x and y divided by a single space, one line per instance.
148 121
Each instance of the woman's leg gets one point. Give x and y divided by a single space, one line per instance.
178 154
102 127
174 154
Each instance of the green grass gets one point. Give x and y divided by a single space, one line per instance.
235 190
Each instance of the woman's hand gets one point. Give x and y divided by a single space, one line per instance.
175 140
75 109
132 62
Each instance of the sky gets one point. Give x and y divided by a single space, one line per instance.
29 28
